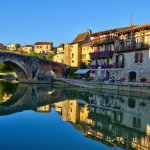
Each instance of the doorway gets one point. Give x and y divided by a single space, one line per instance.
107 75
132 76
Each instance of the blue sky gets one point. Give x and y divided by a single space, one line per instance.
59 21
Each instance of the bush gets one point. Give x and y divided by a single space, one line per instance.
83 65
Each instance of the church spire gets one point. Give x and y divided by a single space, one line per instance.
131 24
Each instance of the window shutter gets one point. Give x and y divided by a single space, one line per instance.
136 57
139 122
134 119
116 58
141 57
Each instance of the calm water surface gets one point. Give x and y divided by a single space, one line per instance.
43 117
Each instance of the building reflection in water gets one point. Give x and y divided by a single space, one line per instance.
112 120
44 109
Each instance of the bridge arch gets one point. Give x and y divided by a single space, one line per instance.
21 73
26 67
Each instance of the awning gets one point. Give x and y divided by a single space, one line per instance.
82 71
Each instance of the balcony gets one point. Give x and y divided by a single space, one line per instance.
118 65
100 41
134 46
101 54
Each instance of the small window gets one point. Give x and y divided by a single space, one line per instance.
26 48
84 56
72 61
40 46
138 58
46 47
84 48
72 55
109 47
88 48
37 47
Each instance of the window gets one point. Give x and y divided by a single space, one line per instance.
37 47
138 57
8 47
46 47
84 56
29 48
72 55
109 46
136 122
26 48
135 136
87 48
71 109
72 61
40 46
84 48
82 109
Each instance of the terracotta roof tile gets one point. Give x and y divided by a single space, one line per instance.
80 37
43 43
136 27
61 45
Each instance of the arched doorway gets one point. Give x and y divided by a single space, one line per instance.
132 76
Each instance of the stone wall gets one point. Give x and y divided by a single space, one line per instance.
26 67
46 66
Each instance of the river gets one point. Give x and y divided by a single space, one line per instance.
72 118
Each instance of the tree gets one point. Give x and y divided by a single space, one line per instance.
83 65
55 51
17 46
50 56
5 68
32 54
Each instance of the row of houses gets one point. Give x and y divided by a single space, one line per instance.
120 52
38 47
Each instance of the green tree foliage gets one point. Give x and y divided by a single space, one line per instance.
7 88
50 56
55 51
40 55
5 68
17 46
83 65
71 71
32 54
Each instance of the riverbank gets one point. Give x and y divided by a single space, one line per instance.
125 86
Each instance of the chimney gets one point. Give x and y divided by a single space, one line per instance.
89 31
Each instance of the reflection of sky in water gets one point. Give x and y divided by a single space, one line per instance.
80 120
29 130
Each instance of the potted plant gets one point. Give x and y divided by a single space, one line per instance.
143 80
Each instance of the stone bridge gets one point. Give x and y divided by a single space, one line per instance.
30 97
32 69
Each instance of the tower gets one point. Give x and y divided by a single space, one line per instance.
131 24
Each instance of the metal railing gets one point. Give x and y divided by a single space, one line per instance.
118 65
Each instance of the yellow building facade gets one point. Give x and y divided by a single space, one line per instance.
59 57
86 49
67 54
28 48
39 47
11 46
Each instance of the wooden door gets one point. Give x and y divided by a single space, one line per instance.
132 76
